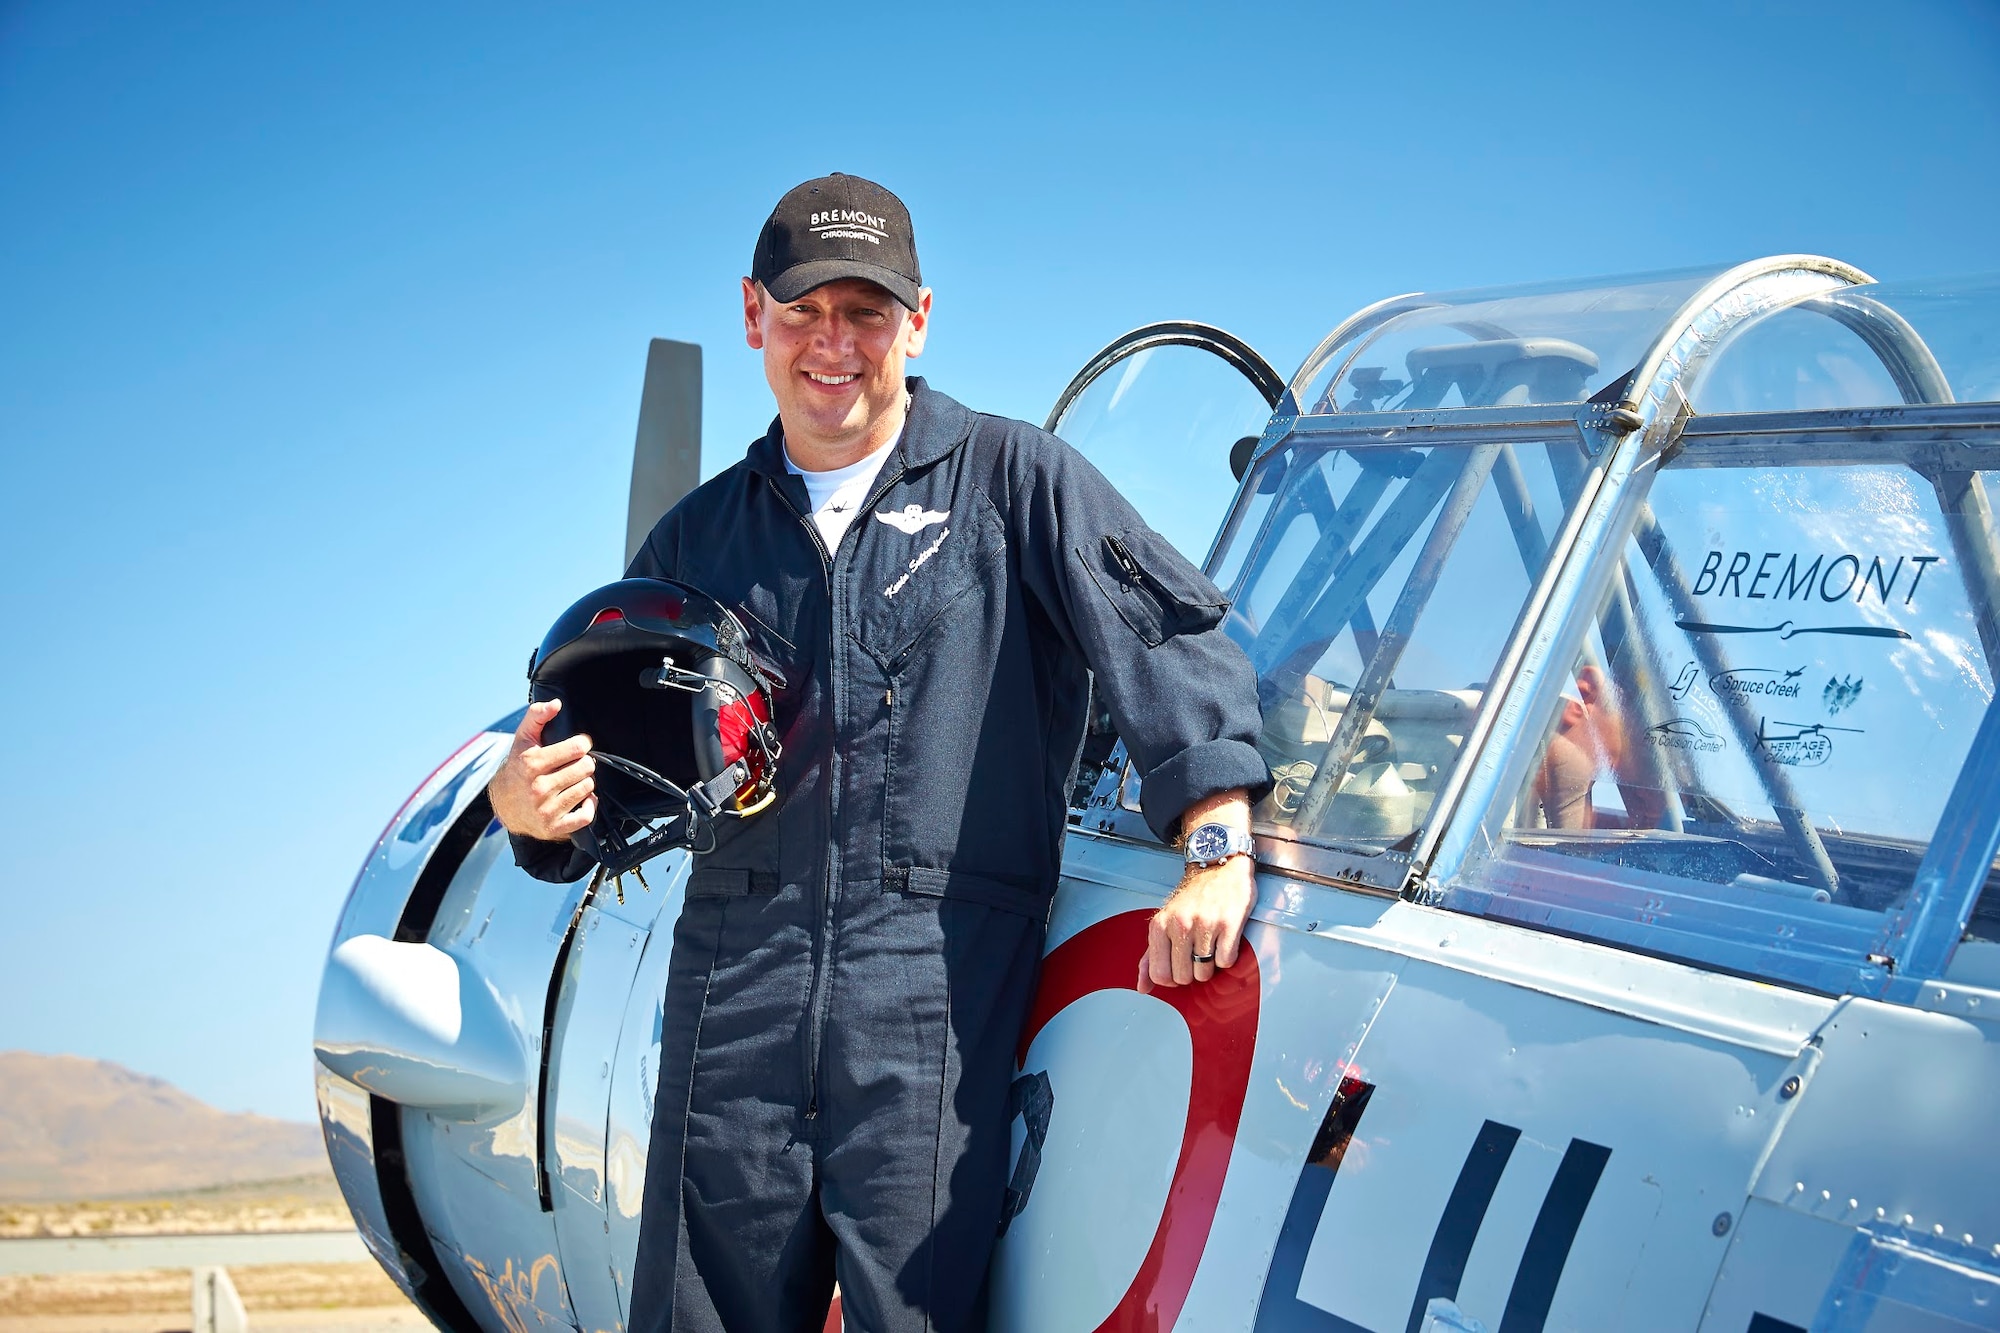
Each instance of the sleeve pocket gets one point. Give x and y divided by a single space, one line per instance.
1157 592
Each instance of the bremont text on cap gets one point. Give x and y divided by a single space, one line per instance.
838 227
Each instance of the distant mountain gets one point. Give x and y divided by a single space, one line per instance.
72 1128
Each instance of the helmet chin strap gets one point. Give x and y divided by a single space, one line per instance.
703 801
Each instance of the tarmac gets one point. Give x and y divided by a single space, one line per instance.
112 1254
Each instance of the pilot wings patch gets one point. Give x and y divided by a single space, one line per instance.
912 519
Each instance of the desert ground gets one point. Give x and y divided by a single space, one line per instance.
304 1203
327 1298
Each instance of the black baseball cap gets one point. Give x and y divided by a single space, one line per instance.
838 227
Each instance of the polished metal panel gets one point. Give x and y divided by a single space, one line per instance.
350 1147
1892 1125
1674 1078
407 1022
1894 1277
1779 1264
1127 1090
635 1079
1674 1124
376 905
479 1182
597 992
1955 868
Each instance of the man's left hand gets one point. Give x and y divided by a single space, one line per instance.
1205 916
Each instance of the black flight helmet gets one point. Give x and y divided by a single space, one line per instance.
663 680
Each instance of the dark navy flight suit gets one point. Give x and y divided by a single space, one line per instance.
852 968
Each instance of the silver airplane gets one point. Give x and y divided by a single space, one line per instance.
1625 953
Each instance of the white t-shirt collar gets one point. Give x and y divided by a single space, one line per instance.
837 494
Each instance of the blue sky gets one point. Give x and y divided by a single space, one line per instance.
322 327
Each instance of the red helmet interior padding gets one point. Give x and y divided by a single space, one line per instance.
678 709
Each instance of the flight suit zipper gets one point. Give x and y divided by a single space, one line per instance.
823 941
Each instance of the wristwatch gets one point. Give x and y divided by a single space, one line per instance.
1212 844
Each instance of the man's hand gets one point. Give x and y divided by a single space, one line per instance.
544 791
1207 912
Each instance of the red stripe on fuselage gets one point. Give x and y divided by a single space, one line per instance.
1222 1025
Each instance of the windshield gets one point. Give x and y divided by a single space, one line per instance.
1161 424
1749 749
1373 587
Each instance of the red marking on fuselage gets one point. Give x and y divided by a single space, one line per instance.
1221 1016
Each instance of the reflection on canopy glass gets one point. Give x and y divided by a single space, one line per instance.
1549 343
1160 425
1758 733
1373 588
1941 337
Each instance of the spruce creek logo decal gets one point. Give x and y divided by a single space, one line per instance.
1746 683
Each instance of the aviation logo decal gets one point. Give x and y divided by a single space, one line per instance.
913 518
1800 746
1221 1019
1535 1278
1684 733
1840 693
1790 629
1745 683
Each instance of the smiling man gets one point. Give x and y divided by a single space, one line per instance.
851 971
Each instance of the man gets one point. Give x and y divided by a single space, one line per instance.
851 969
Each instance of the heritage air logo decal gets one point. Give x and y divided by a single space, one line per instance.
912 519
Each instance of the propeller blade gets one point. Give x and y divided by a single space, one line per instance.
666 458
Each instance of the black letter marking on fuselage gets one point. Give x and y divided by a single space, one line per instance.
1279 1309
1554 1232
1535 1280
1034 1101
1451 1243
